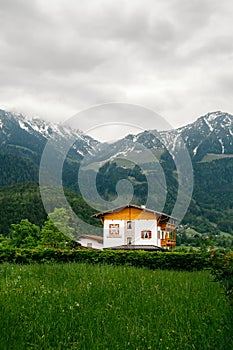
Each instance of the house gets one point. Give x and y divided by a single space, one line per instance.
132 227
91 241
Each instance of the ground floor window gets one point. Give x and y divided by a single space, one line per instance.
129 240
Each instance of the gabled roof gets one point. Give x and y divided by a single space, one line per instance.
98 239
142 208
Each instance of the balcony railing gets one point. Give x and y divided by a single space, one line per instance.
168 242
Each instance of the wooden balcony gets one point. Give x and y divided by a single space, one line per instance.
168 243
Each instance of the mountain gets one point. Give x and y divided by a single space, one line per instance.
209 134
22 142
209 142
27 137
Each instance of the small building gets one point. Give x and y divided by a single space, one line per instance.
91 241
132 227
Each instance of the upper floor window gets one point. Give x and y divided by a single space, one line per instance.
129 225
146 234
114 229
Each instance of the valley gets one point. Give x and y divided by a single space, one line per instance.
209 142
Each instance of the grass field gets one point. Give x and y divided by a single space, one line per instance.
212 156
78 306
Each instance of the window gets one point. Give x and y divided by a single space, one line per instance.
129 225
89 245
146 234
129 240
114 229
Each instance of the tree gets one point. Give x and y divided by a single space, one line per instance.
56 231
25 234
4 241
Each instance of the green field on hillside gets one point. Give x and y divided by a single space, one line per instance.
209 157
79 306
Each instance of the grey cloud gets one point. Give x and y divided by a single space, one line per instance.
82 53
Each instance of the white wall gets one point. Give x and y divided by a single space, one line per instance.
113 241
140 225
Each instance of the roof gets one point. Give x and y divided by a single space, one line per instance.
98 239
138 247
143 208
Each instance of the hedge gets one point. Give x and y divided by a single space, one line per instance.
152 260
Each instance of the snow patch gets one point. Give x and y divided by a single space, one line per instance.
80 152
174 144
222 145
121 153
212 116
209 125
23 126
34 126
196 148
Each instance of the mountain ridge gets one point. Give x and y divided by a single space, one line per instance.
17 131
210 133
22 142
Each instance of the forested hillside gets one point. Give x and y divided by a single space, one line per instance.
211 209
212 206
23 201
16 169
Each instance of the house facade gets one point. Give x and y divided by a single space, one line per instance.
133 227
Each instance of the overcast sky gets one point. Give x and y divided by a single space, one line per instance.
58 57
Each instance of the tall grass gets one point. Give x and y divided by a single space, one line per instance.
78 306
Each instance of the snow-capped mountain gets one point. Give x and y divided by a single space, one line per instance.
27 137
209 134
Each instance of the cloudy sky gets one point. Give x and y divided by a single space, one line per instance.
59 57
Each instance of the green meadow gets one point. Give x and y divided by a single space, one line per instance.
81 306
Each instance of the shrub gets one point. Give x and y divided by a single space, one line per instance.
152 260
222 270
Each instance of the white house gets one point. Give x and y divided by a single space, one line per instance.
132 227
91 241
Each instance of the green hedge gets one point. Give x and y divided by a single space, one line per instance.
220 265
152 260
